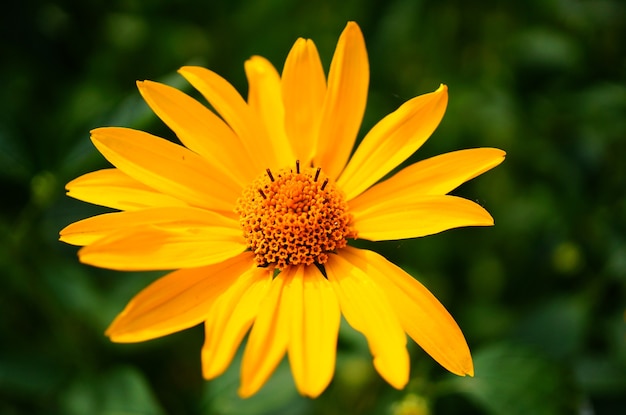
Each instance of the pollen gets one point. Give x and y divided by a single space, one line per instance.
293 218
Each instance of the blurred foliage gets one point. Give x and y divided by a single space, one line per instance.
540 296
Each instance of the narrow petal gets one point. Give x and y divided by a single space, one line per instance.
177 301
344 104
393 140
114 189
231 106
163 247
265 99
268 339
370 312
231 318
304 88
200 130
166 167
88 231
315 318
415 216
437 175
420 313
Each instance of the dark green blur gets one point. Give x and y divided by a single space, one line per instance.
541 297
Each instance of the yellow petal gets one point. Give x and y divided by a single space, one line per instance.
230 319
233 109
114 189
393 140
303 87
166 167
420 313
344 104
268 339
88 231
200 130
163 247
434 176
265 99
370 312
177 301
315 318
414 216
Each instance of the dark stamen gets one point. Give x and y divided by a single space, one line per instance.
317 174
269 173
324 184
298 166
262 194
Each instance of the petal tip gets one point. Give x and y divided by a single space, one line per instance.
115 335
468 369
497 154
353 29
245 392
442 95
352 25
463 366
145 84
187 70
96 132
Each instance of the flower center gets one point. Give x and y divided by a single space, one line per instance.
292 218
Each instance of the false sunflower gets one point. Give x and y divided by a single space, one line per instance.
254 213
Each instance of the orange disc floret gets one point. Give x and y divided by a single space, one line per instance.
292 218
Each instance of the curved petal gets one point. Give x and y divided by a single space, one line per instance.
304 88
344 104
163 246
234 110
230 319
166 167
265 99
434 176
370 312
114 189
200 130
179 300
414 216
393 140
88 231
315 318
268 339
420 313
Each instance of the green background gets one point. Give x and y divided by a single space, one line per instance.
540 296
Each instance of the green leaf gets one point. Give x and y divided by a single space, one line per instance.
277 397
14 161
515 381
121 391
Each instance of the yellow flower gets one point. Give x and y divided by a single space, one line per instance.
255 210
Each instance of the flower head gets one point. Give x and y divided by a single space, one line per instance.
256 209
